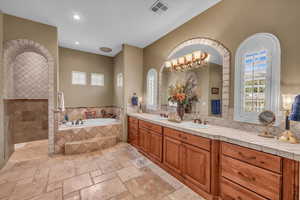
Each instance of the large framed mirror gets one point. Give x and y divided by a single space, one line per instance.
204 64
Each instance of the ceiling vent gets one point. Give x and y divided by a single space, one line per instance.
159 7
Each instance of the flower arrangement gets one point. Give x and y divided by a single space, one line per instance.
183 93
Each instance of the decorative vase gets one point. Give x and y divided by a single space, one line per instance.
180 111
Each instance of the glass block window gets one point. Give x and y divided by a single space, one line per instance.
255 75
120 80
78 78
152 89
97 79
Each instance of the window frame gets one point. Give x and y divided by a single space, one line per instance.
257 42
77 83
97 74
154 98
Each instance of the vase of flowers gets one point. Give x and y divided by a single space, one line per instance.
183 94
180 110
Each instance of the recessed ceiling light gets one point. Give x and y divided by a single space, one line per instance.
76 17
77 43
105 49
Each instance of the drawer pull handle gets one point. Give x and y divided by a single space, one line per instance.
247 158
250 179
183 137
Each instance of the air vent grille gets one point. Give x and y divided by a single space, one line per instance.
159 7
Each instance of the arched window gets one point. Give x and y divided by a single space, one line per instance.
257 77
119 80
152 89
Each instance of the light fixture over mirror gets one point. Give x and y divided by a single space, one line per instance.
211 77
189 61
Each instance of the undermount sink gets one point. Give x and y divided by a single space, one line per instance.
194 125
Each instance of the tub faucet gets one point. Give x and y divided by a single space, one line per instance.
78 121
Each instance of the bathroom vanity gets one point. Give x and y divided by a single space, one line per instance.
218 162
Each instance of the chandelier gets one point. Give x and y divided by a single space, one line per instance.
190 61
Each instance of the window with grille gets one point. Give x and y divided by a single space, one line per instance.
78 78
97 79
152 89
120 80
257 77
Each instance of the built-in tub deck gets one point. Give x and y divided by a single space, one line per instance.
92 135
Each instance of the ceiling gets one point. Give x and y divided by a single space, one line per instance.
108 23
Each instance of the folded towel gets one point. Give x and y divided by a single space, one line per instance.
216 107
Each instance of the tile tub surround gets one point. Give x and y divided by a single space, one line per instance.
83 134
27 119
116 173
235 136
79 112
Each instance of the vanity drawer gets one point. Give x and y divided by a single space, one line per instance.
198 141
232 191
260 181
150 126
133 120
259 159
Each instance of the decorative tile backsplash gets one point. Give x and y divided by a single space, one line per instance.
30 75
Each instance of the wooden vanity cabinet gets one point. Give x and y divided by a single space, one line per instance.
172 154
133 135
150 140
196 166
188 156
216 170
249 174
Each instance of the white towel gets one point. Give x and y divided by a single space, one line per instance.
61 101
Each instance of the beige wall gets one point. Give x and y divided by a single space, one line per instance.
19 28
231 22
85 95
133 72
118 68
2 146
133 78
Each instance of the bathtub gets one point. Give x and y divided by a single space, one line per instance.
93 134
90 123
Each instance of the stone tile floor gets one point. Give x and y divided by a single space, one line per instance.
117 173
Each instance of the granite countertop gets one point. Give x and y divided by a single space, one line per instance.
247 139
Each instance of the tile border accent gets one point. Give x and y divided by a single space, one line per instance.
226 55
11 50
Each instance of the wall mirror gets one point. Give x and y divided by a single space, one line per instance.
203 65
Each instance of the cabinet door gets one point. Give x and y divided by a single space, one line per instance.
172 157
133 138
156 146
147 140
196 166
142 133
